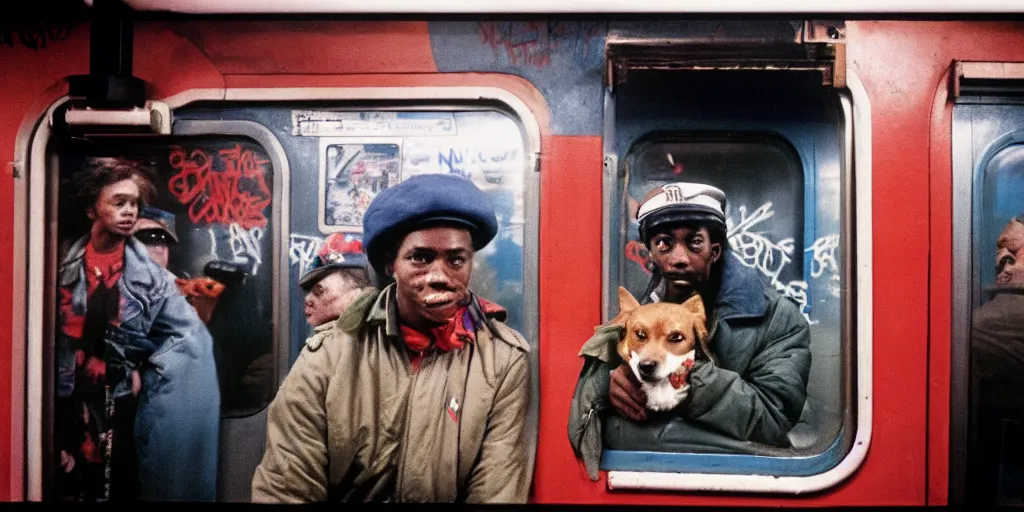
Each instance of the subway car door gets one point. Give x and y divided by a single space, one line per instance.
219 200
251 190
987 414
761 111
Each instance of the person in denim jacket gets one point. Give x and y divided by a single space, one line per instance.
138 404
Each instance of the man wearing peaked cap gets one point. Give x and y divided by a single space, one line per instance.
750 390
422 389
337 275
155 228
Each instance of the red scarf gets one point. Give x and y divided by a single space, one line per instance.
452 335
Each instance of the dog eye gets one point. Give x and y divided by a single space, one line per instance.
675 337
641 335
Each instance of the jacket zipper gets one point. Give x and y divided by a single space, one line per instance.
405 430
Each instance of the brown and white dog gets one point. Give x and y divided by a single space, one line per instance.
660 345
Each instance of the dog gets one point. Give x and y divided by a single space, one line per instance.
660 343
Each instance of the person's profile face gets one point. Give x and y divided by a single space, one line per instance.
328 298
1010 254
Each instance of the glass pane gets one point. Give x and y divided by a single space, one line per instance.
363 153
783 222
997 332
215 194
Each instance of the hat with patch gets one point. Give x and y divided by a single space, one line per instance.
335 253
154 225
424 200
681 202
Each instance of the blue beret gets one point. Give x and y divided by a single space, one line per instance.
398 210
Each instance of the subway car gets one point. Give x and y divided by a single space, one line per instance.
871 159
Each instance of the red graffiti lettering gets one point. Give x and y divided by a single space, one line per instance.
533 43
236 194
637 252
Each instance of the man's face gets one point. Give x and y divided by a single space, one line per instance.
328 299
156 242
684 255
117 208
1010 254
432 269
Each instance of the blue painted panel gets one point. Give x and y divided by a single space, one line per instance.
561 58
619 460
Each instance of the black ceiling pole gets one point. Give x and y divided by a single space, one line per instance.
110 83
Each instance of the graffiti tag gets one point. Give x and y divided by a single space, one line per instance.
534 43
244 245
235 193
302 250
35 37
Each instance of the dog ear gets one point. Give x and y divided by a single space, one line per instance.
695 306
626 306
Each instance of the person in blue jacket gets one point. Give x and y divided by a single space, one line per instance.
138 405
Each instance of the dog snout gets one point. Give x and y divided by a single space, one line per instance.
647 368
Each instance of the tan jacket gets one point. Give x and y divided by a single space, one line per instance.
353 422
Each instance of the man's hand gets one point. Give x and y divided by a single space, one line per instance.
626 395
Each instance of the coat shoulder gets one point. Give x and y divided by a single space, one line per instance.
509 336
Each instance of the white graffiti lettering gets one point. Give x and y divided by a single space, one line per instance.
244 245
823 251
753 249
302 250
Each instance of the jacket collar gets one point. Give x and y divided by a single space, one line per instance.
741 292
138 271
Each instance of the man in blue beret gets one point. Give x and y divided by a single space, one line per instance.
419 392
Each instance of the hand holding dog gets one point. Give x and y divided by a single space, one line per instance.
626 395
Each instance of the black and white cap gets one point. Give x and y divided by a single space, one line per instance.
681 202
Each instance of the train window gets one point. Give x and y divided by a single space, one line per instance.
988 292
783 166
211 226
196 216
362 152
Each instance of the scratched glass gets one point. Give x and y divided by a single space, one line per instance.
790 237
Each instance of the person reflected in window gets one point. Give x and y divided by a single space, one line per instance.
419 392
333 280
137 410
755 387
337 275
156 230
997 368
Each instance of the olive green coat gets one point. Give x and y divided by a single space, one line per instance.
353 422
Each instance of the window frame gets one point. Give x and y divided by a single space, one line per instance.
856 322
